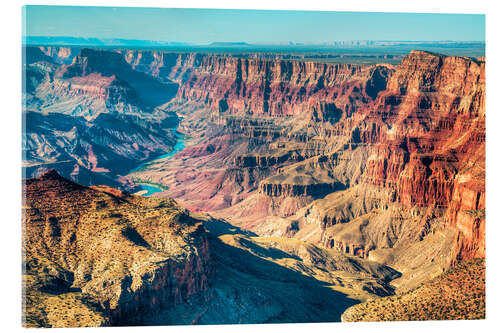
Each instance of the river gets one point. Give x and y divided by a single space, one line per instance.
151 188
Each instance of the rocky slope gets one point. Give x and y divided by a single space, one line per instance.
93 119
97 256
432 300
115 255
280 280
282 135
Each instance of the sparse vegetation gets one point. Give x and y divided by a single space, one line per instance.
455 295
87 249
477 213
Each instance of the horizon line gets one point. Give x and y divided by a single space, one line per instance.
262 43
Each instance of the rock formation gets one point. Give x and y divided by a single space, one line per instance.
98 256
92 119
299 131
121 255
382 163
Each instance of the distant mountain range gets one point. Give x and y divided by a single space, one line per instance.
226 44
80 41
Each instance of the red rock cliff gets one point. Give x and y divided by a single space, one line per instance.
262 87
410 128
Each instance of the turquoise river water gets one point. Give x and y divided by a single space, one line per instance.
179 145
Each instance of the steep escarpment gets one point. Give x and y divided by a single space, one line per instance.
439 121
115 256
151 92
92 119
425 145
412 135
97 256
273 88
60 54
94 82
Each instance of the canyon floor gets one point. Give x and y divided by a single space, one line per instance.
274 190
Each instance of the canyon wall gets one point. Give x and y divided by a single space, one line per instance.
130 256
411 129
382 162
91 116
266 132
273 88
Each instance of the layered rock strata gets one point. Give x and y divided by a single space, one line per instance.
409 129
382 162
124 257
92 119
98 256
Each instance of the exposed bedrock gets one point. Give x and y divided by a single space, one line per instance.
295 190
413 127
98 256
92 118
60 54
259 128
316 161
252 161
264 87
420 118
150 91
125 256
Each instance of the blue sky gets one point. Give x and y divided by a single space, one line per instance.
204 26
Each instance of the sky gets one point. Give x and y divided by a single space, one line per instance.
204 26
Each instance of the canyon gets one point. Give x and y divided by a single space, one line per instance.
83 117
357 181
370 160
98 256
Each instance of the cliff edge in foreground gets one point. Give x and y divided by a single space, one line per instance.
98 256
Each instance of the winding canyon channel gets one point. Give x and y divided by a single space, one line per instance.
149 189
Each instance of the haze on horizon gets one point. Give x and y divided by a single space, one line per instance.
205 26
